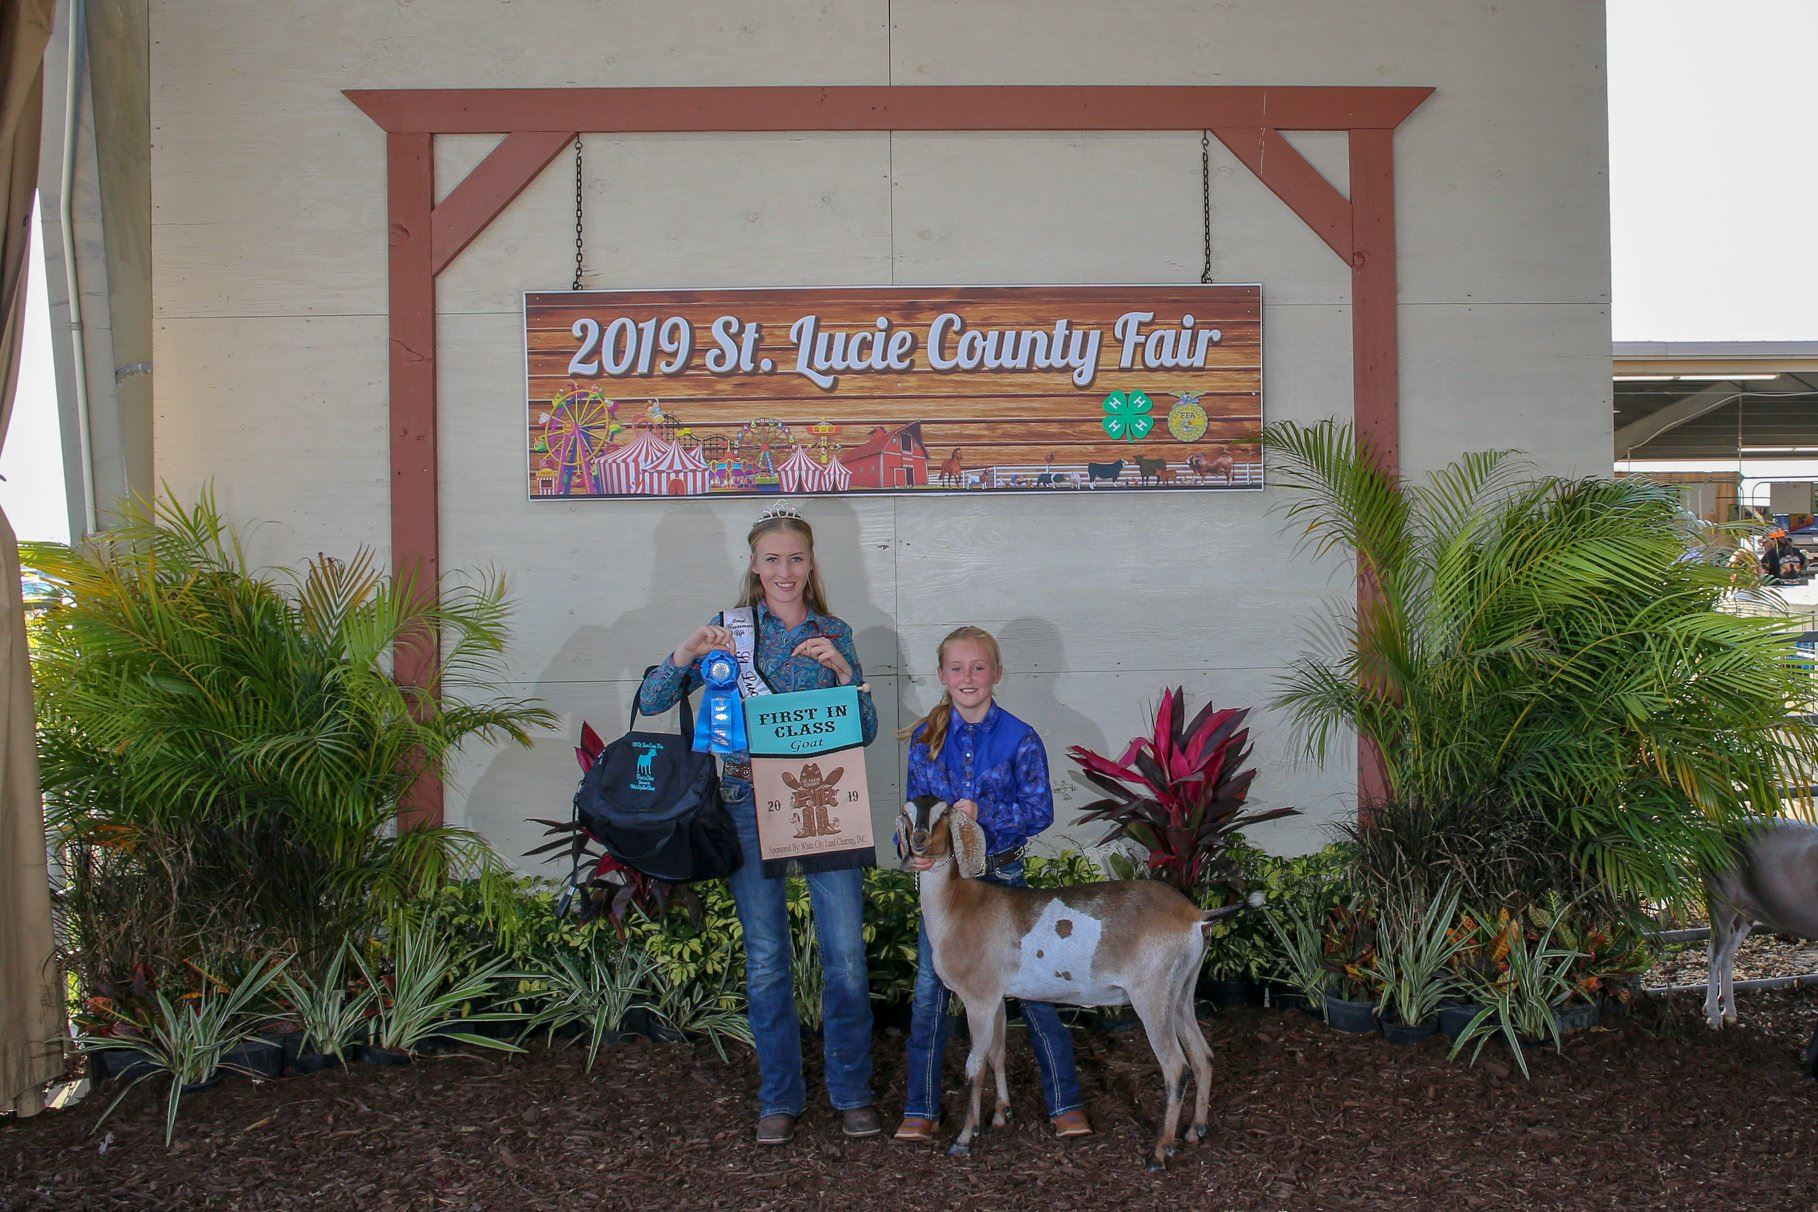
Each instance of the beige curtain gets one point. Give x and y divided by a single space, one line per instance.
31 998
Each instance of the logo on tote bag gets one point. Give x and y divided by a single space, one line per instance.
644 778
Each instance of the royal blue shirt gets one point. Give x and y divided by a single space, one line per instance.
784 673
999 764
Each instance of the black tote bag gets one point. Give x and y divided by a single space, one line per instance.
654 804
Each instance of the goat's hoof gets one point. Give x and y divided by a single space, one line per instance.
1197 1134
957 1149
1000 1117
1168 1151
1156 1165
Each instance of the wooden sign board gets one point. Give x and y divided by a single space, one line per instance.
893 389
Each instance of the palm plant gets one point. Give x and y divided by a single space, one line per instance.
1179 792
596 991
224 752
428 994
186 1038
1547 646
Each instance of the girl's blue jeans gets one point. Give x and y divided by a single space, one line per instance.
838 899
930 1022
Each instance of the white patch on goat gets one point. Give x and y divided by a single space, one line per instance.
1055 962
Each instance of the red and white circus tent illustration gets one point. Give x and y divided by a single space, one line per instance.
676 473
625 471
800 473
838 476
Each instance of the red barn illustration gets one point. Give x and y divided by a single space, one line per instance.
889 458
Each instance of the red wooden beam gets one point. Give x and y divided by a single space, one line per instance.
425 239
1375 359
1289 177
490 188
478 111
415 543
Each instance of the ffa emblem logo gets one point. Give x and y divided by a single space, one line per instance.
813 796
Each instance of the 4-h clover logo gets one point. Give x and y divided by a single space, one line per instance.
1127 416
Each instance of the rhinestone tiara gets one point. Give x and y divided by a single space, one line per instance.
782 509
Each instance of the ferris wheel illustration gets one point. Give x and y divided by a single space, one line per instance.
763 443
580 429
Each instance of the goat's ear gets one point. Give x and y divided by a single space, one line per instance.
968 845
904 823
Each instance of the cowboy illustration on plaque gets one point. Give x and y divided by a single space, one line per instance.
812 811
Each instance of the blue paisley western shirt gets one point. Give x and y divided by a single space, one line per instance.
999 764
785 674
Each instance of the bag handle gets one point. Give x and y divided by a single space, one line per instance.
687 708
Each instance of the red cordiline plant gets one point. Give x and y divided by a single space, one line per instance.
1179 792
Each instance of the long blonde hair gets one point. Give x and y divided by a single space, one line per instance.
941 716
751 589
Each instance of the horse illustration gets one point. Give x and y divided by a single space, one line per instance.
952 471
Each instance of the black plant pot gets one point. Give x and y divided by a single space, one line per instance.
1351 1017
659 1032
1230 994
208 1083
383 1056
257 1057
1455 1018
1404 1035
118 1064
1116 1020
1811 1057
304 1063
1577 1016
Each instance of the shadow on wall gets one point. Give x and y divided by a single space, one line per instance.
696 565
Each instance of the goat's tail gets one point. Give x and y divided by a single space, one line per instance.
1255 900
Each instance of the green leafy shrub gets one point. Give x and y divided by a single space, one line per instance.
1545 657
224 751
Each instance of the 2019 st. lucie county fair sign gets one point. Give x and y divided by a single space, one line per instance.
893 389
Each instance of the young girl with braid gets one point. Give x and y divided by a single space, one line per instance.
988 764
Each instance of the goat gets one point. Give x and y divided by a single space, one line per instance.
1773 882
1124 942
1148 469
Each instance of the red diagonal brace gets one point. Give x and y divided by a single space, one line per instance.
1289 177
490 188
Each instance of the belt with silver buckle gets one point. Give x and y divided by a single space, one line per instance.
995 863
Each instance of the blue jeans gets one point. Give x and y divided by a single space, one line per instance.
838 898
929 1024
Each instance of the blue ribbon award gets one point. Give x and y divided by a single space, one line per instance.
720 728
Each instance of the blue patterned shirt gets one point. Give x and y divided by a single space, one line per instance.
999 764
784 673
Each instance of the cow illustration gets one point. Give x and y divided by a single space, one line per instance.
1103 471
814 795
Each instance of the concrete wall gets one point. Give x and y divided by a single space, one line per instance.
268 233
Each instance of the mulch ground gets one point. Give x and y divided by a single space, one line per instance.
1657 1112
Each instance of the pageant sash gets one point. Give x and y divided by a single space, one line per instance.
720 727
742 622
808 772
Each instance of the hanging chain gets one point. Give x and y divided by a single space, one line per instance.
1205 197
580 247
